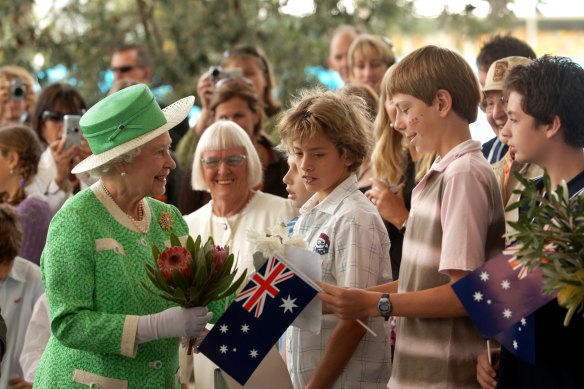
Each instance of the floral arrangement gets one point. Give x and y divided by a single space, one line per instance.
273 241
194 275
550 235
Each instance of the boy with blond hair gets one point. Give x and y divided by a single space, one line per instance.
328 134
456 222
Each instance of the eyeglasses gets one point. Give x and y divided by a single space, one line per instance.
124 69
489 103
58 116
232 160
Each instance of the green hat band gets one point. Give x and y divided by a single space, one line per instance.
121 117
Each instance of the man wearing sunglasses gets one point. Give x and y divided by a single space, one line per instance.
133 62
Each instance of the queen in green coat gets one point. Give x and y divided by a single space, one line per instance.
107 330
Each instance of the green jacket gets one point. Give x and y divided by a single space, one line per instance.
92 269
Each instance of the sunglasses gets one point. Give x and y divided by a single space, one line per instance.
237 79
58 116
124 69
232 160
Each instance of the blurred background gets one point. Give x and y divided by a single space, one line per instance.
72 40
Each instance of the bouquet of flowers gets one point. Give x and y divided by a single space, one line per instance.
194 275
271 242
550 235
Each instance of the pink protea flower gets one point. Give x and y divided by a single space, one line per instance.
177 258
218 256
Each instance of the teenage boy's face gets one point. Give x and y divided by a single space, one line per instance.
320 165
525 138
415 120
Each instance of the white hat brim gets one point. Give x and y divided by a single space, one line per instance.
174 114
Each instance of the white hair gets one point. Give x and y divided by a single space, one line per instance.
110 166
224 135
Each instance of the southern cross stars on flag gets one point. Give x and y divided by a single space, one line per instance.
498 295
258 317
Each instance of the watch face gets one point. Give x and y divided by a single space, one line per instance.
384 306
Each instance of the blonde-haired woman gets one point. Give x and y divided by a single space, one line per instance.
369 58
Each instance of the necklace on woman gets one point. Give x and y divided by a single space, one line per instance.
141 224
233 224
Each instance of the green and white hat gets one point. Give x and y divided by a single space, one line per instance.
126 120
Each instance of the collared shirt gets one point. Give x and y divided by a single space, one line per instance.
348 233
456 222
18 294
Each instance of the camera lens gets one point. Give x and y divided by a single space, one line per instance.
18 92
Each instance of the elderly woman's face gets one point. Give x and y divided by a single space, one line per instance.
226 179
146 175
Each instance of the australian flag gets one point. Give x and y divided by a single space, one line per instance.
499 297
258 317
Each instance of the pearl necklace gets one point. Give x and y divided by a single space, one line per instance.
141 223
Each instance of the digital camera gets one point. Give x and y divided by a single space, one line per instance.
218 73
17 89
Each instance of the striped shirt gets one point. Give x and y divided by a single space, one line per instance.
456 222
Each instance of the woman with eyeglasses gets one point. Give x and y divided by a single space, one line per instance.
235 99
227 165
54 178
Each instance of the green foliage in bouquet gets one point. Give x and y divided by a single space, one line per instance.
195 275
550 235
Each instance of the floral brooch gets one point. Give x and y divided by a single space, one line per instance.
165 220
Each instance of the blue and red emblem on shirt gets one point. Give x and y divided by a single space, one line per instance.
322 244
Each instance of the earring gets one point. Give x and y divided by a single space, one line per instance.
122 174
11 171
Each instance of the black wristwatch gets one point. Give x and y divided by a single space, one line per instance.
384 306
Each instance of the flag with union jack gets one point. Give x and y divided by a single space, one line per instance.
274 296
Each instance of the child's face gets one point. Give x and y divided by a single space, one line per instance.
416 122
495 108
297 192
525 138
320 165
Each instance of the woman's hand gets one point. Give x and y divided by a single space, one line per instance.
390 204
205 89
348 303
64 159
486 374
172 323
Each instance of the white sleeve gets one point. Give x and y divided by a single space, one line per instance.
36 338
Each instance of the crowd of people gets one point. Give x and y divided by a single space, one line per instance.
381 178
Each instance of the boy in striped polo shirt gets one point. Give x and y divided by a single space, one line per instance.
456 222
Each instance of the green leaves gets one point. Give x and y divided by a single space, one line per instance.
205 284
550 235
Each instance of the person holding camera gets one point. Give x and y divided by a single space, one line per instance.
17 97
55 120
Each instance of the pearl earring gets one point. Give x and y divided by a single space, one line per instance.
11 171
122 174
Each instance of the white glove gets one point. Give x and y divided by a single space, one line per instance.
172 323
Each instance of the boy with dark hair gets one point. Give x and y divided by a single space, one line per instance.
546 127
455 223
496 48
